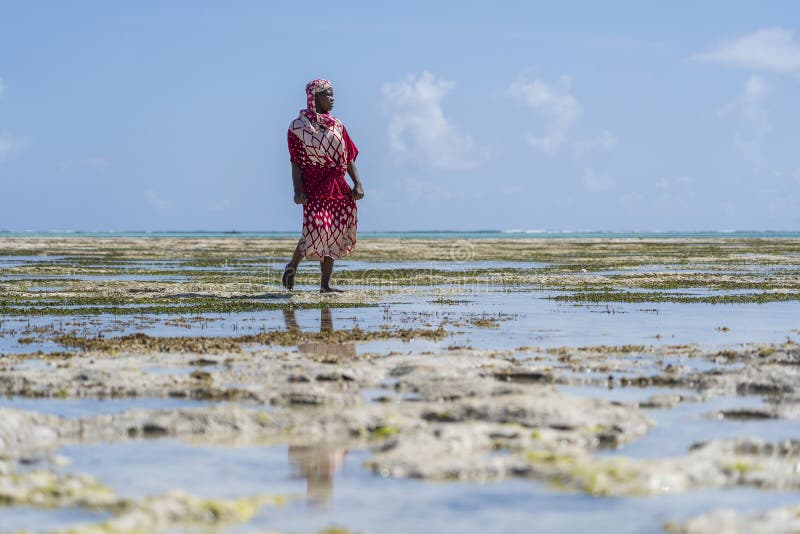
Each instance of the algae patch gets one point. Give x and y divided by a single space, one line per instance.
140 342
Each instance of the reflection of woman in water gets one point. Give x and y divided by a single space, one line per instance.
317 464
319 348
321 153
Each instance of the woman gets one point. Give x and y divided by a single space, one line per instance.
321 152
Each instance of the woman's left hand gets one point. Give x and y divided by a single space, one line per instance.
358 192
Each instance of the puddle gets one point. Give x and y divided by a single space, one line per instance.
452 266
25 519
147 467
11 262
96 277
402 506
387 395
377 395
75 408
687 423
626 394
333 489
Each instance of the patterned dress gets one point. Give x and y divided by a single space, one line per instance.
319 144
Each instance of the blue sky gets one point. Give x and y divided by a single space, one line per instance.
468 115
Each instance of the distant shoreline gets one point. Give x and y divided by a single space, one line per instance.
433 234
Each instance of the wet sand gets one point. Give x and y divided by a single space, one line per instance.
585 374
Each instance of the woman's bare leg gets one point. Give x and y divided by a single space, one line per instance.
326 266
291 268
296 257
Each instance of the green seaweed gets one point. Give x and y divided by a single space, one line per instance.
179 308
639 297
383 432
143 342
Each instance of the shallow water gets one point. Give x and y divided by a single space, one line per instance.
9 262
451 266
25 519
517 506
330 487
690 422
75 408
96 277
524 319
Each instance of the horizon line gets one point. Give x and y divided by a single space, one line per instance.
430 231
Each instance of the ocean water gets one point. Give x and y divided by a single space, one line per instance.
427 234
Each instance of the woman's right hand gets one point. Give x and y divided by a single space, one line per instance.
300 197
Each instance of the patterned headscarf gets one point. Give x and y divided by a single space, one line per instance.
321 133
312 88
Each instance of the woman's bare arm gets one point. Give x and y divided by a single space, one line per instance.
297 181
358 189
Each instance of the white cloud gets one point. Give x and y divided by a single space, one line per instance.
770 49
419 131
748 112
593 182
10 145
602 143
554 104
748 107
155 201
2 87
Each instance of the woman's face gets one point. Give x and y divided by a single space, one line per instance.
324 100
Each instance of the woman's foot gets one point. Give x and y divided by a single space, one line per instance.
329 289
326 268
288 277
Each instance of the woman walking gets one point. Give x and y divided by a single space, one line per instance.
321 153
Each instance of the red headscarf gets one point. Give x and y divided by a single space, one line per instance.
312 88
320 132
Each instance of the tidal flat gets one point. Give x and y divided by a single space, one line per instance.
164 384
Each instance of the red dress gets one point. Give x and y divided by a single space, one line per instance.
330 216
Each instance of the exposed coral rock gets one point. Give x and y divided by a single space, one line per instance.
778 521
